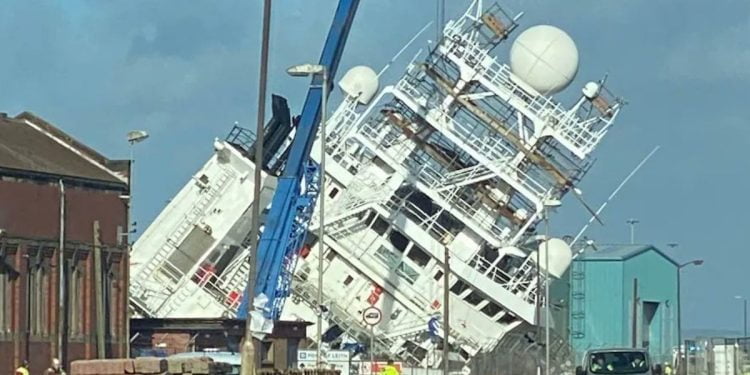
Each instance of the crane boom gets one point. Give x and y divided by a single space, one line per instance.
297 188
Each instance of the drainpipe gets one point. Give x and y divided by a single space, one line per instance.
61 278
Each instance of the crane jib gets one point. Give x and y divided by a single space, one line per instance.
290 213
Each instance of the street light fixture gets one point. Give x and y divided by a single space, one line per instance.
312 70
744 302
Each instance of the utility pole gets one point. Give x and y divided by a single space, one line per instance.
632 223
635 313
247 361
446 308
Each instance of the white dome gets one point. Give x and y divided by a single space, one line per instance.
544 57
560 256
360 81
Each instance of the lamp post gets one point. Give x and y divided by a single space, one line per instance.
247 352
134 136
744 315
696 262
632 223
315 70
548 203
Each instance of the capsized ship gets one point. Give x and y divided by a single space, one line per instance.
463 154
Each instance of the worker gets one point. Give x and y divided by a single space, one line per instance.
637 363
23 369
599 365
389 369
667 369
55 369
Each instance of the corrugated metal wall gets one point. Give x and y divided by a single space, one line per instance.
601 304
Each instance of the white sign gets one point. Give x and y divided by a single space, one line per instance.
333 359
372 315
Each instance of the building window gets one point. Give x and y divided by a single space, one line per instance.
39 297
333 193
76 294
8 277
459 287
398 240
474 298
419 256
380 226
111 289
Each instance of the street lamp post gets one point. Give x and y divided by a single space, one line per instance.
696 262
247 352
549 203
314 70
744 315
134 136
632 223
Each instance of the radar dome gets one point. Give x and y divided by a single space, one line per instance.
560 256
361 82
545 58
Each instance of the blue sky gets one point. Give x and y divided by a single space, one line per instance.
186 71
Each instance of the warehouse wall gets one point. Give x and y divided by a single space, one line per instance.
29 271
601 302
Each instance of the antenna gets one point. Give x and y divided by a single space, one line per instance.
601 208
388 65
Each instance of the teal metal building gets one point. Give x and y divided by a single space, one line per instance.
622 296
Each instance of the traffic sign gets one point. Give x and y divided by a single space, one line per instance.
372 315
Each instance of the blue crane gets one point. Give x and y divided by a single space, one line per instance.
297 188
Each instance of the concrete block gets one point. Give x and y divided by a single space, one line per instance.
174 366
150 365
102 367
200 366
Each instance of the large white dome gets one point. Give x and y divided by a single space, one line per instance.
545 58
560 256
360 81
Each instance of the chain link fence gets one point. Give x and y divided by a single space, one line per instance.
717 356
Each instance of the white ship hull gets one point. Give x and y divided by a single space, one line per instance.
459 155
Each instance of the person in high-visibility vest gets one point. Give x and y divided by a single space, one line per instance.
389 369
23 369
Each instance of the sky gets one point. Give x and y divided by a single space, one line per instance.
186 71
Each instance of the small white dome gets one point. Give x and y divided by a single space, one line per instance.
560 256
591 90
544 57
360 81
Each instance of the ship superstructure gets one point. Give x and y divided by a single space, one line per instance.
462 154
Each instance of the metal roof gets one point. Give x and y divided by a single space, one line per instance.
28 143
619 253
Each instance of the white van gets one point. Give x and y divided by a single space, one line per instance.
617 362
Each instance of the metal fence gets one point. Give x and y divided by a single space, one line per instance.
717 356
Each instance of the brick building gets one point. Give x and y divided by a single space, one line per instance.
54 192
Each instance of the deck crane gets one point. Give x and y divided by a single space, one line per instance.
297 189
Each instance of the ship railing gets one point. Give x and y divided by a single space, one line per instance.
570 127
567 124
341 120
519 282
489 148
429 224
183 227
395 147
431 178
